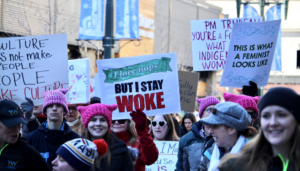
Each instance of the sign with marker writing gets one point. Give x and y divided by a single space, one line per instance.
250 54
148 83
31 65
79 81
188 84
167 158
210 42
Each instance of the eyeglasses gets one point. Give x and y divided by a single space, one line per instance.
122 121
72 108
160 123
253 114
209 110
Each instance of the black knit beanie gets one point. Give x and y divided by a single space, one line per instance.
284 97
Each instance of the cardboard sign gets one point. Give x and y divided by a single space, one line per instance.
79 81
188 83
251 53
148 83
31 65
167 158
210 42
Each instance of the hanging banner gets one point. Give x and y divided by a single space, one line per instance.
210 42
249 12
250 54
148 83
274 13
188 84
167 158
91 19
79 81
127 21
31 65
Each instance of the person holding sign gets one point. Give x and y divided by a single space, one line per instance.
276 147
228 124
135 133
97 119
163 128
191 146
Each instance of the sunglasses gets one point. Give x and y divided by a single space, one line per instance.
253 115
160 123
122 121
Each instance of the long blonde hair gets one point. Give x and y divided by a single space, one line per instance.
256 155
131 129
171 134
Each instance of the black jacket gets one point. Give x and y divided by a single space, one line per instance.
120 157
177 127
21 157
48 141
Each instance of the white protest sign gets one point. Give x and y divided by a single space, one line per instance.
167 158
210 42
79 81
251 53
31 65
148 83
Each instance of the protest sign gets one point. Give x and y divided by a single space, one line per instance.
31 65
148 83
250 54
188 83
167 158
79 81
210 42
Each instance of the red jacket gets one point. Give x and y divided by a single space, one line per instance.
148 152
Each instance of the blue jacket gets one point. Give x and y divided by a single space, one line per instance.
191 147
47 141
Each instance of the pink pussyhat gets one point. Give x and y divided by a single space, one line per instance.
204 102
247 102
55 97
87 112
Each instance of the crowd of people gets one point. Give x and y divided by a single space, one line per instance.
245 132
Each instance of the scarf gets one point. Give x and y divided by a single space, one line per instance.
73 123
215 158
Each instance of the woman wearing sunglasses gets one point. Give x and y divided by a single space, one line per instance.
162 128
276 147
135 133
97 119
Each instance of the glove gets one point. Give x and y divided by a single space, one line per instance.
140 120
250 90
27 107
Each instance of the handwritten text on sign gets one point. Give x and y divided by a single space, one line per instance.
140 83
167 158
31 65
210 42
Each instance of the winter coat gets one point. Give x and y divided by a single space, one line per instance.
191 147
47 141
78 127
22 157
146 148
206 156
120 157
183 131
177 127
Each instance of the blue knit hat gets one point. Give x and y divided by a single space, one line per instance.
80 153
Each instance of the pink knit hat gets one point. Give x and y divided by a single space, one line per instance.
247 102
204 102
87 112
55 97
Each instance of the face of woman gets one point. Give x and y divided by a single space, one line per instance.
119 126
220 133
159 132
60 164
207 111
98 127
278 125
188 124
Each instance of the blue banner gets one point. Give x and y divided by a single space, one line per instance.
127 21
91 19
274 13
249 12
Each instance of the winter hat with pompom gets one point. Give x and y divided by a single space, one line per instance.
80 153
87 112
204 102
55 97
247 102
